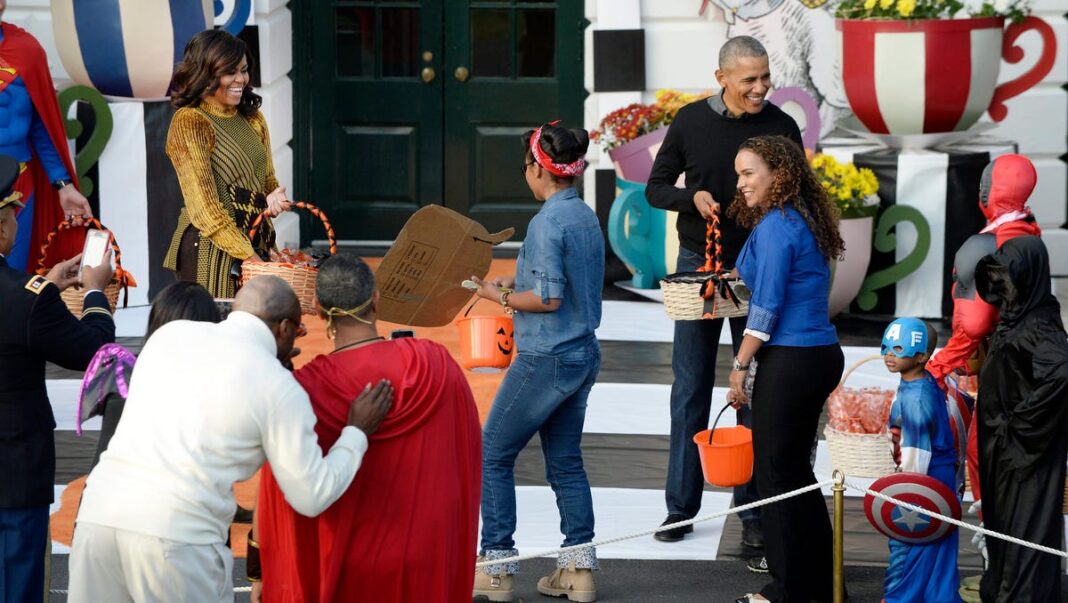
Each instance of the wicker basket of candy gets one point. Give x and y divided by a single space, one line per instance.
856 428
74 297
708 293
293 266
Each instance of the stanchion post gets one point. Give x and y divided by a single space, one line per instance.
839 528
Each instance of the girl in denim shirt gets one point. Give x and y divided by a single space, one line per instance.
557 306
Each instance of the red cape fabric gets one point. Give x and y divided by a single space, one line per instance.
405 530
23 52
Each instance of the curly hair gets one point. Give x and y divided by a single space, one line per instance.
209 55
793 181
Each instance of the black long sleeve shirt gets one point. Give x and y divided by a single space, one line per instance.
702 142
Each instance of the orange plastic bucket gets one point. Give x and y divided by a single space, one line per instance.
487 343
726 454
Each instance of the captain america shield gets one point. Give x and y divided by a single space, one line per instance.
905 525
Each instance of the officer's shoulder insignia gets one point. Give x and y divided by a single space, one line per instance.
36 284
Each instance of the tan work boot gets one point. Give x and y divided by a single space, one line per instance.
497 587
570 582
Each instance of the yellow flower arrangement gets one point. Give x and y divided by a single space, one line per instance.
1014 10
670 101
905 8
853 189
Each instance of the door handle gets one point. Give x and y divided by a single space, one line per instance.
462 73
427 74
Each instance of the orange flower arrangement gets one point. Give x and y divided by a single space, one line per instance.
624 125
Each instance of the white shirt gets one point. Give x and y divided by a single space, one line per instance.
208 404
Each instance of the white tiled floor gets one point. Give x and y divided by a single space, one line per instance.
619 511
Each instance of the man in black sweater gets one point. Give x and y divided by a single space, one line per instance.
701 143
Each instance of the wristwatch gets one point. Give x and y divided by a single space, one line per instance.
59 184
738 366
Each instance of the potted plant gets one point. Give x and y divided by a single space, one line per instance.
901 83
632 135
855 192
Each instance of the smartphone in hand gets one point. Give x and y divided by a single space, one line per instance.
96 245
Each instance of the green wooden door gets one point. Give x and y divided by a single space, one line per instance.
375 125
403 104
523 62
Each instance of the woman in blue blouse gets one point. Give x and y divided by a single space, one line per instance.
785 263
557 306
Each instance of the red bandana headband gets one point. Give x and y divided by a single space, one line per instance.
563 170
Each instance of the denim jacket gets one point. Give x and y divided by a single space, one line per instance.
561 258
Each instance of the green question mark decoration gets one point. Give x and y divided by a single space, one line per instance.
886 242
94 147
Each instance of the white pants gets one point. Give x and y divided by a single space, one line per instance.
107 564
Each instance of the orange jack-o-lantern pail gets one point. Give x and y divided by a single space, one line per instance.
487 343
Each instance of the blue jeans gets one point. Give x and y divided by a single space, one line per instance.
693 362
544 395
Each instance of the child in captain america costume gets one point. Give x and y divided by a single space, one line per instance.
31 130
923 443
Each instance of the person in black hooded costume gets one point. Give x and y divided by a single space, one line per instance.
1023 423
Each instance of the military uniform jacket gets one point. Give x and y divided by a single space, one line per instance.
35 328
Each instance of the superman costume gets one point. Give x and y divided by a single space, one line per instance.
31 130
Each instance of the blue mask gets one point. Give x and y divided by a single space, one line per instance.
905 337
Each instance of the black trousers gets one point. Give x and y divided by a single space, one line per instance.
791 387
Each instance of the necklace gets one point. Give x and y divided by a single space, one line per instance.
356 343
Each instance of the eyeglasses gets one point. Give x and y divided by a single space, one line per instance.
301 329
523 170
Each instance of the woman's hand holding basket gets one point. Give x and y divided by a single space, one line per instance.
277 202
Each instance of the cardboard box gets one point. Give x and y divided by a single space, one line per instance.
419 279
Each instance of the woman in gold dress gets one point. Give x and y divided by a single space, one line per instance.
221 150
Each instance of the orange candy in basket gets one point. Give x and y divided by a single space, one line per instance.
295 267
297 257
863 410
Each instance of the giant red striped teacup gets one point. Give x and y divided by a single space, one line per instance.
934 75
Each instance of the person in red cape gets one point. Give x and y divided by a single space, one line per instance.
33 133
405 529
1005 186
